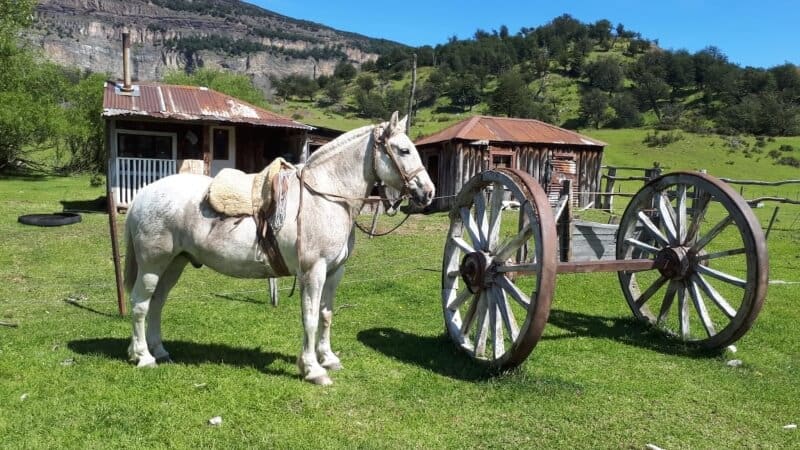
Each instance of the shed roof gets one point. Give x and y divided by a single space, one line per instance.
188 103
505 129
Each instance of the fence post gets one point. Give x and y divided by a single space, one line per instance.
609 200
564 225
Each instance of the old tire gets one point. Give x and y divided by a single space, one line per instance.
50 220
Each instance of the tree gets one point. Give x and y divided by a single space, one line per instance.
626 111
601 32
464 91
366 82
510 96
344 71
334 91
605 74
593 106
83 131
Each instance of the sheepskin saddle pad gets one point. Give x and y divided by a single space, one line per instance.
235 193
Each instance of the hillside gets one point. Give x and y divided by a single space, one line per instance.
181 35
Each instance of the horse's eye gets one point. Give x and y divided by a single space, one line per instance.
405 151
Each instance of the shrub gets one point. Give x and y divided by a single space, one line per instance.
661 140
786 148
789 161
774 154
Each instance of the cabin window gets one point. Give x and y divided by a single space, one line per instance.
141 144
500 161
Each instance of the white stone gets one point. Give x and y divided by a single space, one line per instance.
653 447
24 397
215 421
734 363
731 348
791 426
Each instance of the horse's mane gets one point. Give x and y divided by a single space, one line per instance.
333 146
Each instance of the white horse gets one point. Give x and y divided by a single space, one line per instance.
170 224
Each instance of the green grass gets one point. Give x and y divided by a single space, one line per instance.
596 380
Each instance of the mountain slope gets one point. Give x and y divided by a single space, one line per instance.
180 34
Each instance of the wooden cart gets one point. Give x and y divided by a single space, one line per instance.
690 256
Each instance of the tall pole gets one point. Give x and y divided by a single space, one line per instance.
411 95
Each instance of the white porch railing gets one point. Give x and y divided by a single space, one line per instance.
132 174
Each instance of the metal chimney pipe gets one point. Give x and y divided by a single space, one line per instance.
126 62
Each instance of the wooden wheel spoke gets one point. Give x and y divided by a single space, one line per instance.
722 276
683 312
713 233
700 306
642 246
507 249
496 326
459 299
482 325
496 214
721 254
668 217
699 212
715 296
650 291
504 283
680 218
469 317
506 314
669 299
463 245
654 231
472 227
480 216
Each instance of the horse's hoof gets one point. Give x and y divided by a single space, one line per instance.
333 366
149 362
322 380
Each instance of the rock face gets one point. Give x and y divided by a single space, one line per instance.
87 34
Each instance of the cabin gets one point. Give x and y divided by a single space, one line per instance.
154 130
548 153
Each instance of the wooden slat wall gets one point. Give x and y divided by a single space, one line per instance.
458 162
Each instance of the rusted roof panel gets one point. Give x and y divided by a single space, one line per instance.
188 103
504 129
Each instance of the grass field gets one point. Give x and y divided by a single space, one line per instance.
596 380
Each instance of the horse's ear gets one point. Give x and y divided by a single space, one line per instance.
402 125
393 120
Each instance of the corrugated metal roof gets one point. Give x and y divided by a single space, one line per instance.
188 103
505 129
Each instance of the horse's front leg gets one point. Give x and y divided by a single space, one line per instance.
311 286
327 358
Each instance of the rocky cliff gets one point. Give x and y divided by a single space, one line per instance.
185 34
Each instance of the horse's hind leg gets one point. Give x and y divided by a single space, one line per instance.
327 358
165 283
143 289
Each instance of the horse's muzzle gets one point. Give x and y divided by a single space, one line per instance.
422 196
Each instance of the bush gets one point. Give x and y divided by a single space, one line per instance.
774 154
661 140
789 161
786 148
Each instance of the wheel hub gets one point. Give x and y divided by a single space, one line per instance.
673 262
474 270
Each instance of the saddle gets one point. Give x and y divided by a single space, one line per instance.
261 195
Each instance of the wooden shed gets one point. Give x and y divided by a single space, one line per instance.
154 130
547 152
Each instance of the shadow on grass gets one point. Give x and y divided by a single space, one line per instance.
97 205
183 352
90 309
623 329
245 299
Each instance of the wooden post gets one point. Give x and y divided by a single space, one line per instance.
112 225
273 291
609 203
771 221
411 96
374 220
564 225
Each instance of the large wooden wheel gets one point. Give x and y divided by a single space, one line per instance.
710 256
499 267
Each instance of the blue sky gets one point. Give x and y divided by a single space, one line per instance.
760 33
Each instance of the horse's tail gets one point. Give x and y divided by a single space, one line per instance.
131 267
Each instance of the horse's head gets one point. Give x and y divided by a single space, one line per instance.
397 162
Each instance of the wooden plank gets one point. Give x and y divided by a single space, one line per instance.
626 265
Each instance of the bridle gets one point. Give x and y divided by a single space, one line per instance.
379 140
